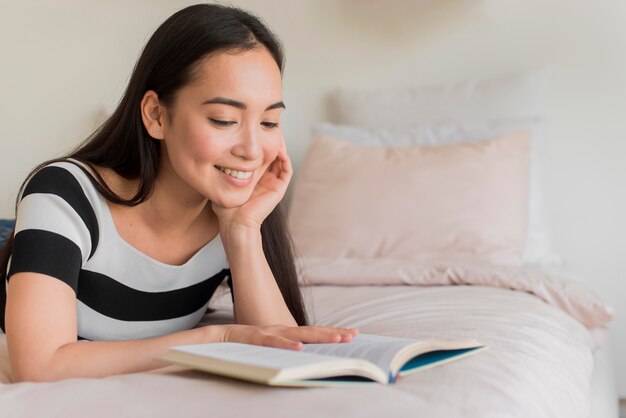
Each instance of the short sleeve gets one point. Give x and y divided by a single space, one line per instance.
56 229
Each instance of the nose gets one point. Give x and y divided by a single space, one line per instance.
247 146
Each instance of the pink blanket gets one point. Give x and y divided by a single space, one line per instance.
568 295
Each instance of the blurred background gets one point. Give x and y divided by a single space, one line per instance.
65 64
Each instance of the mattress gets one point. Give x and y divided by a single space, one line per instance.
540 364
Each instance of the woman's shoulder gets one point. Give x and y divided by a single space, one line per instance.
77 177
64 178
59 202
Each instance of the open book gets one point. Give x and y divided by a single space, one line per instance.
366 359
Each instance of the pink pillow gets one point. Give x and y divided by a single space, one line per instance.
465 201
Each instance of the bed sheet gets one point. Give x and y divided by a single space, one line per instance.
539 364
604 398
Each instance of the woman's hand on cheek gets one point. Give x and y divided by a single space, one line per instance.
267 193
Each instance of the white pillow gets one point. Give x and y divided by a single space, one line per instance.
512 97
537 249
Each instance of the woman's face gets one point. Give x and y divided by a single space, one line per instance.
227 117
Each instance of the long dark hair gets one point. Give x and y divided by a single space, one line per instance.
166 64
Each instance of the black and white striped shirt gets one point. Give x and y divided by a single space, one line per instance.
64 229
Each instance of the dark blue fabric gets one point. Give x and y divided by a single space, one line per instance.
6 226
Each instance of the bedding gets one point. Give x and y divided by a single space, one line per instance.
461 110
513 96
604 397
539 363
568 295
537 243
467 200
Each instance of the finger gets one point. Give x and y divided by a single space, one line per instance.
282 342
286 170
352 331
346 333
275 167
271 175
278 164
313 335
322 336
284 157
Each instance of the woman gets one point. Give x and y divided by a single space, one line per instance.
124 240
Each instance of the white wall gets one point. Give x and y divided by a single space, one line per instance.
63 65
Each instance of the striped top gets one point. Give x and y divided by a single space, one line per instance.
64 229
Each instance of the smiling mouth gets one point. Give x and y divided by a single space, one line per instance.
241 175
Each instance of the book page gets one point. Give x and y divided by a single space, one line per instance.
377 349
255 355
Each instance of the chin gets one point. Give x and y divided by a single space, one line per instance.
232 202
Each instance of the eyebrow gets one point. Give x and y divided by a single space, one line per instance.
240 105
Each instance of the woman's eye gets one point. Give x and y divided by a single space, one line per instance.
222 122
269 124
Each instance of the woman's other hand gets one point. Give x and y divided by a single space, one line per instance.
282 336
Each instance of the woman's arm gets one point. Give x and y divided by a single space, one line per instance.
258 300
105 358
41 336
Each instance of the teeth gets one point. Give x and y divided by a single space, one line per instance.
241 175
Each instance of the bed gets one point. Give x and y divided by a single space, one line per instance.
493 277
540 364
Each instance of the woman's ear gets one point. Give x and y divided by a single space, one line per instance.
152 114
